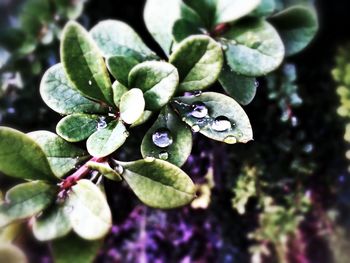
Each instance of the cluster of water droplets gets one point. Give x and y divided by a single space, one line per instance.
162 138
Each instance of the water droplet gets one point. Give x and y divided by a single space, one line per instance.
221 123
90 82
224 47
149 159
256 83
295 121
162 138
101 123
126 133
195 128
119 169
163 155
230 139
197 93
199 110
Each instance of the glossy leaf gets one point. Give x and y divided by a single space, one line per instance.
253 48
107 140
180 134
231 10
21 157
118 91
216 116
158 183
84 65
11 254
89 213
160 16
239 87
184 28
199 61
205 9
297 26
132 105
158 81
74 249
265 8
59 94
120 66
116 38
77 127
26 200
146 115
52 224
105 170
62 156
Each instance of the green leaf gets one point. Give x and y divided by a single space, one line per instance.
74 249
265 8
62 156
297 26
231 10
21 157
116 38
59 95
77 127
253 48
105 170
70 10
84 65
120 66
132 105
11 254
118 91
205 9
184 28
106 141
89 213
146 115
158 81
169 139
189 14
52 224
158 183
239 87
216 116
160 16
199 61
26 200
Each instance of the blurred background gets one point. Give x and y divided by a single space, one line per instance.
285 197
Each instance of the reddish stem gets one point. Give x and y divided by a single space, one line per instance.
220 29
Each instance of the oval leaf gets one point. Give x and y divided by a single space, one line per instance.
132 105
231 10
199 61
60 96
158 183
106 141
89 212
115 38
77 127
216 116
26 200
120 66
84 65
21 157
253 48
158 81
11 254
105 170
118 91
62 156
179 134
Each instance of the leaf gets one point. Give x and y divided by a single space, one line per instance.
52 224
239 87
265 8
77 127
74 249
158 81
216 116
62 156
158 183
132 105
297 26
116 38
105 170
59 95
205 9
199 61
106 141
146 115
118 91
21 157
174 131
71 10
231 10
89 213
26 200
120 66
253 48
189 14
84 65
160 25
11 254
184 28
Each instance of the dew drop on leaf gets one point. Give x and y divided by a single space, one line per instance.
101 123
197 93
149 159
119 169
221 123
195 128
199 110
164 155
256 83
162 138
230 139
90 82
